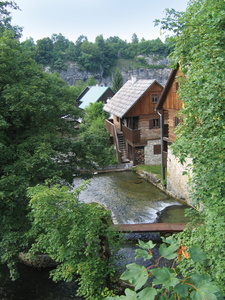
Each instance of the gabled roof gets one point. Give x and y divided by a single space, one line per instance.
166 89
92 95
83 93
127 96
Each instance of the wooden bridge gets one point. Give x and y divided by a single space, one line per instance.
151 227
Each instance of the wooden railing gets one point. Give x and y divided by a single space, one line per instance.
131 135
151 227
111 128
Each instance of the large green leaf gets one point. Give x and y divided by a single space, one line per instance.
147 294
130 295
146 246
182 290
143 253
165 276
196 254
168 252
137 275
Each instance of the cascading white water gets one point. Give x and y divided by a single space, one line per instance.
132 200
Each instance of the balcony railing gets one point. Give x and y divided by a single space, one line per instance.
131 135
111 128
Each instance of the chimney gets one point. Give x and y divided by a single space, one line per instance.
133 79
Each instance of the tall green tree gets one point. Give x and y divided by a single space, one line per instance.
200 52
117 80
95 138
76 235
35 142
5 18
44 51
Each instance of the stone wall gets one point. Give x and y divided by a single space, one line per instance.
139 156
150 157
177 183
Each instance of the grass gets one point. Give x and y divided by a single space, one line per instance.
155 169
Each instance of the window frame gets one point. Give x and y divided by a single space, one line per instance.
154 98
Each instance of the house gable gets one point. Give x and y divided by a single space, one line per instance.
146 104
127 97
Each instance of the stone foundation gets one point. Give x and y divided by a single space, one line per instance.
177 183
150 157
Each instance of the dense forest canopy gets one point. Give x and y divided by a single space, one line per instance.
100 56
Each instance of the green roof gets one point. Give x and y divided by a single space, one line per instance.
92 96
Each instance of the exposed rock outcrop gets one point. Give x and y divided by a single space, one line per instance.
73 74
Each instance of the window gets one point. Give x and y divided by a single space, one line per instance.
132 123
154 98
176 121
118 119
157 149
154 123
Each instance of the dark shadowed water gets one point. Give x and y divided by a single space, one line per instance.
131 199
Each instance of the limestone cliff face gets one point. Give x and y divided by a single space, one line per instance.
73 74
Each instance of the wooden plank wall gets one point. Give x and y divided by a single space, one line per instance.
146 133
145 106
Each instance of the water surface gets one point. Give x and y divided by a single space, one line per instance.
131 199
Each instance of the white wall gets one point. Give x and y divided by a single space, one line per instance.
150 157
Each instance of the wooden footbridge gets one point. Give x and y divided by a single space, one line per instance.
151 227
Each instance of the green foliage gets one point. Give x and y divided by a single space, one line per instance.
95 138
91 81
5 18
76 235
117 80
200 52
44 51
35 139
166 283
101 56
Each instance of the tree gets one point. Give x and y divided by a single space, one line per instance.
5 18
135 39
117 80
91 81
28 44
44 51
76 235
165 279
35 140
199 50
95 138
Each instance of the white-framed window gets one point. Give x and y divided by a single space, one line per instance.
154 98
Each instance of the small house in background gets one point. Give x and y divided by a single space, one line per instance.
169 105
94 94
135 125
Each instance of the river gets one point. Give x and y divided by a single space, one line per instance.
130 198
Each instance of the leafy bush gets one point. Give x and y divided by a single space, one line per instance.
76 235
166 282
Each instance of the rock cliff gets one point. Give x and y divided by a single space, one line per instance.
73 74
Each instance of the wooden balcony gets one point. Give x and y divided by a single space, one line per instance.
131 135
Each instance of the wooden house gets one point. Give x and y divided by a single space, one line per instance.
94 94
168 106
134 121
